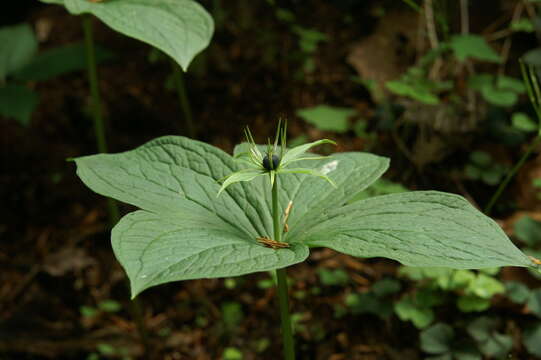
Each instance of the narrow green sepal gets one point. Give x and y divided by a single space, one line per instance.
242 175
296 152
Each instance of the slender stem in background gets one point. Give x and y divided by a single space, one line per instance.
531 80
99 128
97 115
178 77
281 276
510 175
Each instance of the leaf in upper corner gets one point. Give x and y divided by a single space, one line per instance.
418 229
180 28
327 118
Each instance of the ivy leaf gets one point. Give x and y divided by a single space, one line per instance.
420 228
180 28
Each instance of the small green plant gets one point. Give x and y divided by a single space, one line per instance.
481 166
473 290
191 227
440 341
377 301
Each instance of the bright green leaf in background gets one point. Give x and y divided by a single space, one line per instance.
232 353
327 118
18 45
417 90
497 90
473 46
523 122
18 102
524 25
184 231
180 28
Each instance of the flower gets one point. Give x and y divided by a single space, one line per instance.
275 160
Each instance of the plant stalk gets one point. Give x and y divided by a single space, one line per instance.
180 86
281 276
511 174
99 129
95 105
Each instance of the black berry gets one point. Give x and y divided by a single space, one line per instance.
267 162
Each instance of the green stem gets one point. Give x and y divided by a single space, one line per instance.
178 77
99 129
281 276
511 173
97 115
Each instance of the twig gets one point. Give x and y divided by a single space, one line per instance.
517 12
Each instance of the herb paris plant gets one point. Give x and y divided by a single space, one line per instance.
184 231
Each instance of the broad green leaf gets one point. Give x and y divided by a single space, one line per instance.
180 28
175 174
327 118
18 102
18 45
156 249
58 61
418 229
474 46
